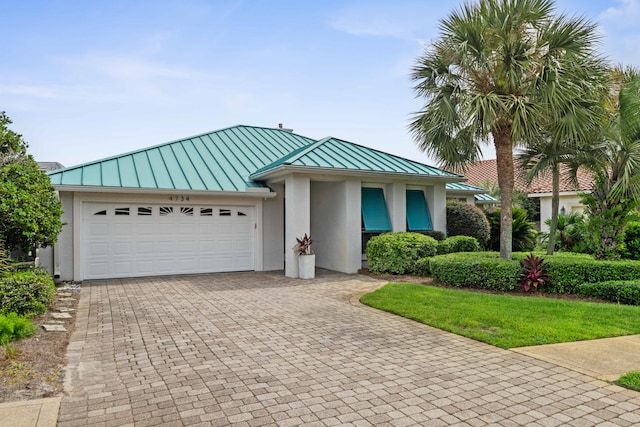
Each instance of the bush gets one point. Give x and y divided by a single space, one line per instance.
566 271
464 219
523 233
14 327
421 267
26 293
458 244
438 235
620 291
397 253
632 241
481 270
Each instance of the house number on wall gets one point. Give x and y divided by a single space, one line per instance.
179 198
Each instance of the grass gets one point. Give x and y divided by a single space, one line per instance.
503 320
630 380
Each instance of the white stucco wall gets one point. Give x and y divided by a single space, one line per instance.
570 202
336 224
273 220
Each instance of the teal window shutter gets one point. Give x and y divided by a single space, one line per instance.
374 210
418 217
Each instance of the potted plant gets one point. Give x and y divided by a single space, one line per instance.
306 257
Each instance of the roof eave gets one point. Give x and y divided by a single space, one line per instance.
282 170
263 193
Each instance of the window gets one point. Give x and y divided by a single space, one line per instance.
186 211
374 210
418 217
225 212
144 211
122 211
241 213
206 212
166 210
102 212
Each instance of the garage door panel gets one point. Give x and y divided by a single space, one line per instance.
144 240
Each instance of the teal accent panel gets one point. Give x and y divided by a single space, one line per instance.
110 174
418 217
374 210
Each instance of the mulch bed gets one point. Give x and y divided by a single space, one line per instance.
36 367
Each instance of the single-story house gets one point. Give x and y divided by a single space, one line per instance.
236 199
486 172
471 194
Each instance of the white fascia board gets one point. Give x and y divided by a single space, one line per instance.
562 193
273 174
263 193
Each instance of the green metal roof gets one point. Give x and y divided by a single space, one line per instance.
480 194
215 161
333 153
232 159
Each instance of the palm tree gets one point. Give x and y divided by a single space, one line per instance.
499 72
615 164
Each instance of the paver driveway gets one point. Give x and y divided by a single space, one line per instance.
257 349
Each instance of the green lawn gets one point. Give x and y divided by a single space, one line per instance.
503 320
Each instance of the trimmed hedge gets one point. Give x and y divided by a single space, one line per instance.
567 271
397 253
620 291
458 244
26 293
481 270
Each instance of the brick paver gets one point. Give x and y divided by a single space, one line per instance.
259 349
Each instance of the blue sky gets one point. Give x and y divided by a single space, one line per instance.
83 80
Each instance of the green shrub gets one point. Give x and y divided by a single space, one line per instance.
464 219
397 253
458 244
523 233
26 292
481 270
620 291
14 327
438 235
421 267
632 241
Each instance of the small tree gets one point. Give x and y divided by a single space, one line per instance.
464 219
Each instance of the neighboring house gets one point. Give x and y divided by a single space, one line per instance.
49 166
235 200
483 172
470 194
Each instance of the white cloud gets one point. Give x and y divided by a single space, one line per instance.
625 14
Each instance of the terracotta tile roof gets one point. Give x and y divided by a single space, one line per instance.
480 172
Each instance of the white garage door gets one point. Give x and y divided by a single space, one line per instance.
132 240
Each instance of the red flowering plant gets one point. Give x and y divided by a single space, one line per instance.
533 272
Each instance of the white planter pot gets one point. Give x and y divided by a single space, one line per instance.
307 266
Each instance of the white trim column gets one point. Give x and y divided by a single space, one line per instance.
297 218
396 193
353 195
437 202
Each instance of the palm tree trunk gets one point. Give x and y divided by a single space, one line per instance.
504 161
555 206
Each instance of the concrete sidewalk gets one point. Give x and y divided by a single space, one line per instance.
30 413
606 359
